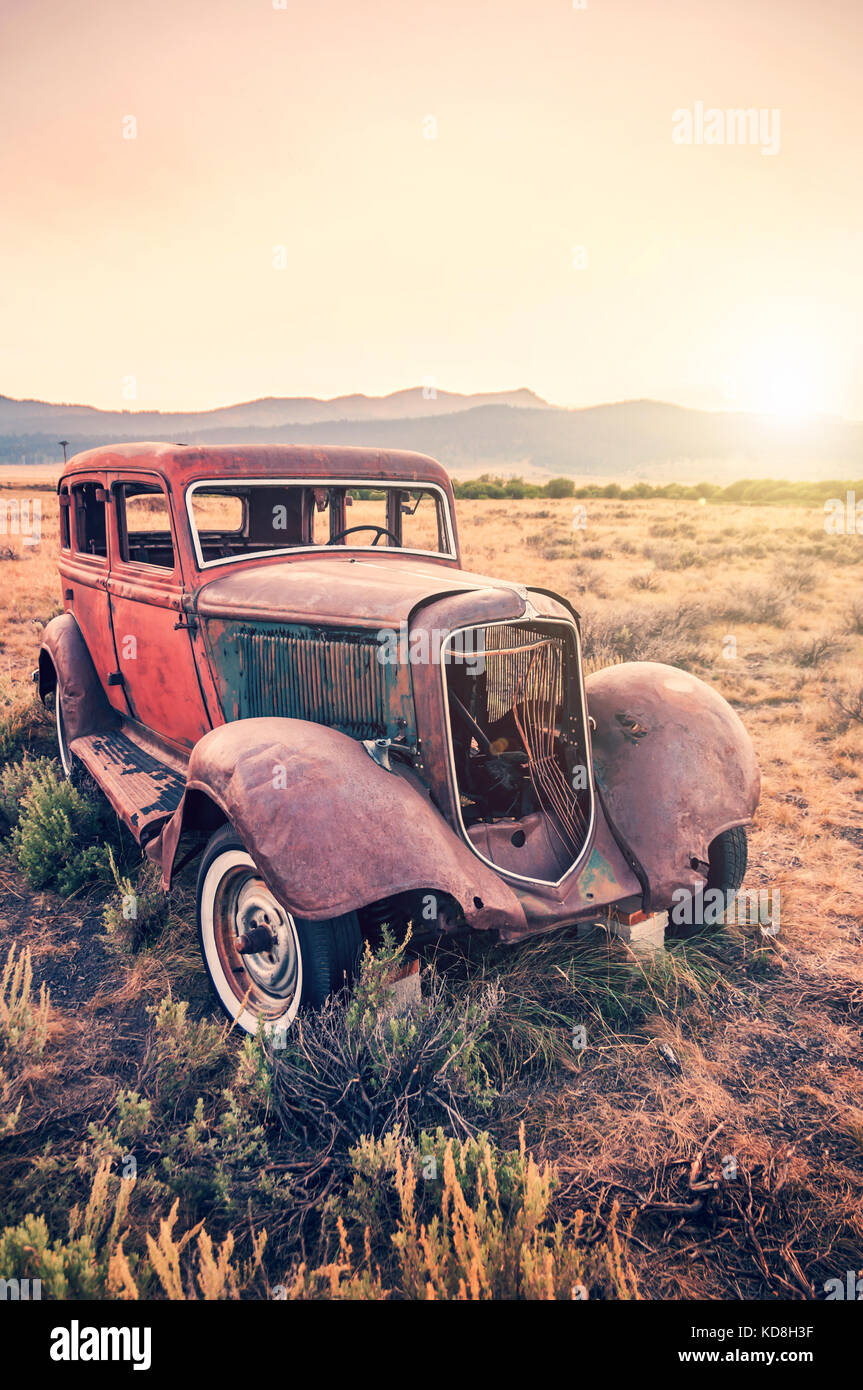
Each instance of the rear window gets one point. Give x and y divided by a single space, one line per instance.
88 505
239 520
65 526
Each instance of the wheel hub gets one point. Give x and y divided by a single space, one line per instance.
265 938
253 942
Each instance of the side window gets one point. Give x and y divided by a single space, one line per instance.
88 502
65 527
144 525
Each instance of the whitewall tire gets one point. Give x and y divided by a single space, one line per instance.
264 963
66 759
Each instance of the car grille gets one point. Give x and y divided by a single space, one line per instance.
329 679
513 668
531 674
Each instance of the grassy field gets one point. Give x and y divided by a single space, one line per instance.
708 1140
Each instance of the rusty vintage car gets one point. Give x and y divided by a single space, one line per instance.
274 657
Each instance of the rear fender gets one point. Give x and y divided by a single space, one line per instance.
331 830
675 767
65 660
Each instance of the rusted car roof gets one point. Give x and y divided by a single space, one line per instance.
183 463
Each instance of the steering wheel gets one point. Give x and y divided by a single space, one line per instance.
381 531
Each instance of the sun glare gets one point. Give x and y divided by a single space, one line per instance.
788 383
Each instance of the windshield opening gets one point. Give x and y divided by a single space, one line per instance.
256 517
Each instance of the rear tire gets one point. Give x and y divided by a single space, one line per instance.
299 963
68 761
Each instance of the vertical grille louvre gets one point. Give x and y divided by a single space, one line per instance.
335 680
506 674
536 711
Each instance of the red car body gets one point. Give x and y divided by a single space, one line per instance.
209 675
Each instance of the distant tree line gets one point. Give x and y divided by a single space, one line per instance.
751 490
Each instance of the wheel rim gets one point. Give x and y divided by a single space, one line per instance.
264 980
65 755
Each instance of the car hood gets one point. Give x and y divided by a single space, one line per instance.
360 589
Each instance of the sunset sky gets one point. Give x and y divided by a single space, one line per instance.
711 275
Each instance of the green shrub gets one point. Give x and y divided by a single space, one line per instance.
59 836
746 492
135 916
560 487
77 1266
15 779
132 1119
91 1263
188 1055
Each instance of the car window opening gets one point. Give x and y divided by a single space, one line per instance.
232 521
144 525
88 500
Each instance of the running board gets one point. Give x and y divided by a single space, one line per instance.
142 790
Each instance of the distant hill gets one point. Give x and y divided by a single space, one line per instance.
507 432
270 412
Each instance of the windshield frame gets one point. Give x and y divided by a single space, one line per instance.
400 485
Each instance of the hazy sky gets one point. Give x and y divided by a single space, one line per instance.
710 273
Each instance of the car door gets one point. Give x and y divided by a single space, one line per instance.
153 645
84 568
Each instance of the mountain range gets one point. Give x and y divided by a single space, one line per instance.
506 432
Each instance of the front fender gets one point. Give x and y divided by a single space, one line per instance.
331 830
675 767
64 652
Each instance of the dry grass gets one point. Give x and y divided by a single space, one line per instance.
737 1172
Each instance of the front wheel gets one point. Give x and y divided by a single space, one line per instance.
726 869
265 964
727 858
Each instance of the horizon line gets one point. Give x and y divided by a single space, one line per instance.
442 391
